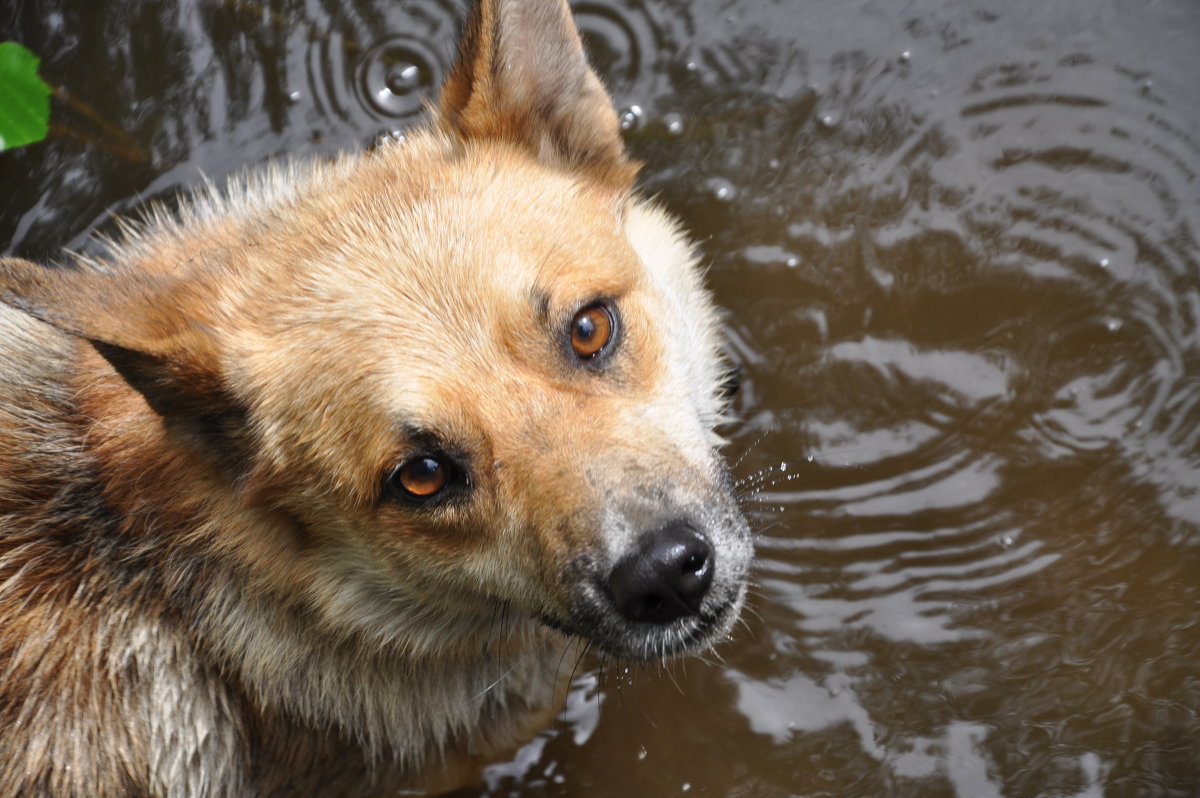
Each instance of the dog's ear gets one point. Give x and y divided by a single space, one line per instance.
521 76
140 323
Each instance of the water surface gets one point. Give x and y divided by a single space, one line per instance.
957 244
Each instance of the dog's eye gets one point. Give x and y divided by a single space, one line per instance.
592 330
421 477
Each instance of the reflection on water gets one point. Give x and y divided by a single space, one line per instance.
958 247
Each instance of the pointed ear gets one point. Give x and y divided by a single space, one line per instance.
123 308
521 76
140 323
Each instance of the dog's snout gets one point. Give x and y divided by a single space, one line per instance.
666 577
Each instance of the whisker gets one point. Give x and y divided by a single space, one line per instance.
575 668
562 657
497 681
665 667
762 437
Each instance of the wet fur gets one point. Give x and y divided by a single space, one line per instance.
204 590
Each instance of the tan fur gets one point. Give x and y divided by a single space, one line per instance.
204 588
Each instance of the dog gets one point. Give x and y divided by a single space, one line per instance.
310 487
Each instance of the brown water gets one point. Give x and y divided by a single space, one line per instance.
958 247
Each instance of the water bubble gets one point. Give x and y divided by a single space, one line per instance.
396 75
293 97
792 262
641 754
773 164
1103 263
829 120
721 189
905 56
631 117
674 124
686 786
1113 324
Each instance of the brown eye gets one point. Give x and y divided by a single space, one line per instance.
421 477
591 331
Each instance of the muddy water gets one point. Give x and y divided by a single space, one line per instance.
958 247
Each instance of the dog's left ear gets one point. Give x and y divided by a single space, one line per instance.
141 323
521 76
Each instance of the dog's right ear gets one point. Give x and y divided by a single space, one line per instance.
141 323
521 76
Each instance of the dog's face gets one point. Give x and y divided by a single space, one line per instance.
471 371
516 379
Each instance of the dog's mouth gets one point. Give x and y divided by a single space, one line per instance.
645 642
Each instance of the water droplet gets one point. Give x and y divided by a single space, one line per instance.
792 262
829 120
1103 263
388 137
905 56
686 786
773 163
641 754
809 458
631 117
674 124
721 189
1113 324
293 97
782 467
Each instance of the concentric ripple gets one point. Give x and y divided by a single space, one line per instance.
397 76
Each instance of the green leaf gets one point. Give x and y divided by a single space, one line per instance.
24 98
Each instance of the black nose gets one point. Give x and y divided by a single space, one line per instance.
665 578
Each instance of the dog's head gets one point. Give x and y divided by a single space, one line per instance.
468 371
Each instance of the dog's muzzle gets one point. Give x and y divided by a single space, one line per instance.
677 589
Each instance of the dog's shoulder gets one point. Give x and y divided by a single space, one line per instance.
79 637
